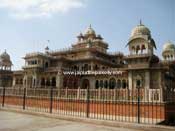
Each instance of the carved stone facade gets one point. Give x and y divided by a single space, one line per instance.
141 68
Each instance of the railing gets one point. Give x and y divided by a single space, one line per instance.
35 54
123 105
32 66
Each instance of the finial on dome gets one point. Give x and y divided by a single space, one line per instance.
141 22
90 26
47 48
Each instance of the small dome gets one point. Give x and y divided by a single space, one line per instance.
140 30
169 46
5 56
90 31
5 59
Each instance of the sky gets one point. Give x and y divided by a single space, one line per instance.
26 25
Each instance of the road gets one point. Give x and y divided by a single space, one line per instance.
11 121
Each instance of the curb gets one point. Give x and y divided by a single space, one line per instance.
92 121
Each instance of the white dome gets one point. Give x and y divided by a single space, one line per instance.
140 30
90 31
169 46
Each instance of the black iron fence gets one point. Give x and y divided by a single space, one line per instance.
136 105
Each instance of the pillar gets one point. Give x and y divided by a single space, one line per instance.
14 81
130 80
59 80
91 82
147 85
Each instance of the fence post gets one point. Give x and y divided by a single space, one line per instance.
3 97
51 99
87 102
24 99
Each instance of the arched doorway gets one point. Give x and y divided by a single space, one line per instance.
53 82
85 84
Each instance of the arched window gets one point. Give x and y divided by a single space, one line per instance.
65 83
137 49
101 83
85 67
124 84
75 67
42 82
47 82
165 57
46 64
112 83
21 81
53 81
118 84
171 57
75 84
96 67
143 49
106 84
34 82
168 57
25 82
138 83
133 49
97 84
17 81
89 67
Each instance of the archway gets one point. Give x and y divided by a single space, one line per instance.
112 83
85 84
54 82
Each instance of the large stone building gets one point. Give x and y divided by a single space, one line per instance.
140 68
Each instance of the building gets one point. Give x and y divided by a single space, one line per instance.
141 68
6 75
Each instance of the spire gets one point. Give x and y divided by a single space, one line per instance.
47 48
141 22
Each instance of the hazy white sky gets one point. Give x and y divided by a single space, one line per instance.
26 25
28 9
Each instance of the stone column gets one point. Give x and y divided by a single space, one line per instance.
91 82
160 86
130 80
147 85
92 65
45 83
14 81
78 92
59 80
39 82
99 93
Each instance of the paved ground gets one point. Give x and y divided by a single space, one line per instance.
10 121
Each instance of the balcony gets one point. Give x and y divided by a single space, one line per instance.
32 66
139 66
131 56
